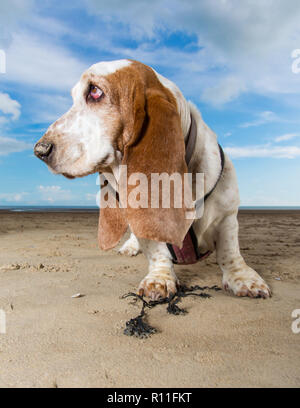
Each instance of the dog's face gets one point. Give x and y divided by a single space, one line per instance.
84 140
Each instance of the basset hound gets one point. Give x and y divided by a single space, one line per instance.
126 115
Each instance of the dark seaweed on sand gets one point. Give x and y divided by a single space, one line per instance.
138 327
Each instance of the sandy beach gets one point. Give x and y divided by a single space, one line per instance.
54 340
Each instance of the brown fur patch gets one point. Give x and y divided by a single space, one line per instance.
151 142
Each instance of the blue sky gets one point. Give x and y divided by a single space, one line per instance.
232 59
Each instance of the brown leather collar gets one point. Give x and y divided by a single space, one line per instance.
189 253
190 141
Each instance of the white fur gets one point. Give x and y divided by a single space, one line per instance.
108 67
84 134
161 280
131 247
87 143
182 106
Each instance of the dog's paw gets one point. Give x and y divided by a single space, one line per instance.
246 283
130 248
158 288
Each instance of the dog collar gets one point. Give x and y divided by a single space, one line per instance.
189 253
190 140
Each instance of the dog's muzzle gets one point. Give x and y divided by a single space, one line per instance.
43 150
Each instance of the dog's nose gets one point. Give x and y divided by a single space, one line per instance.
43 150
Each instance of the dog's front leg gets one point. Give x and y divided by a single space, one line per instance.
161 280
131 247
238 277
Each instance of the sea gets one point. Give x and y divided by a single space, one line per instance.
40 208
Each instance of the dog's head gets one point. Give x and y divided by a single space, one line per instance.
84 140
111 103
121 113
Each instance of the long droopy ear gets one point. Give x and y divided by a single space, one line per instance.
159 149
153 146
112 224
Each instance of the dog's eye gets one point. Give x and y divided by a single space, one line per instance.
95 93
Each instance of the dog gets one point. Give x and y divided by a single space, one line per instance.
126 114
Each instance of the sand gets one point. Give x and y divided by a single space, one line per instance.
54 340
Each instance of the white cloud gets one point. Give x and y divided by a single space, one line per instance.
3 120
141 18
225 91
48 107
42 64
284 152
53 194
273 198
11 12
9 106
244 47
9 145
262 119
91 197
287 136
13 197
31 44
250 40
